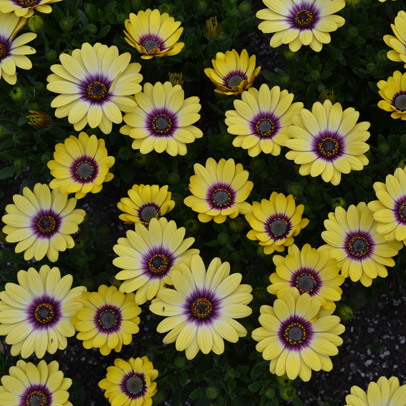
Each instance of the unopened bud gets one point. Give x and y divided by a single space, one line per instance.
212 28
327 94
345 313
66 24
17 94
35 23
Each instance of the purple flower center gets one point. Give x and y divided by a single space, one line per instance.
306 280
234 78
161 124
44 312
295 332
328 146
401 210
3 50
27 3
359 245
265 125
84 169
46 223
108 319
399 101
278 226
304 16
148 212
304 19
220 196
202 307
36 395
157 263
151 42
96 91
134 385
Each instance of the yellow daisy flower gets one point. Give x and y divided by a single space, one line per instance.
41 222
296 336
26 8
352 239
145 202
35 313
275 222
162 120
81 165
297 23
147 257
219 190
107 320
397 42
130 383
233 73
393 93
96 85
311 271
201 309
390 209
153 34
383 392
12 49
261 119
328 141
29 384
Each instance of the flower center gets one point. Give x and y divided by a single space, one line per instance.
295 333
148 212
108 319
159 264
202 308
278 227
402 212
135 385
221 197
28 3
150 44
328 147
304 19
358 246
234 80
305 282
44 313
46 224
161 124
400 102
265 127
96 91
3 51
84 170
36 398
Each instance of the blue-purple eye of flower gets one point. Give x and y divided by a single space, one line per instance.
46 223
134 385
26 3
3 48
265 125
95 89
220 196
202 306
306 280
295 332
359 245
278 226
44 312
401 210
36 395
328 146
157 263
399 101
234 78
84 169
151 42
161 123
108 318
148 212
304 16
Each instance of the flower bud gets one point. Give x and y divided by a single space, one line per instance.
125 153
39 120
338 202
288 392
212 28
295 189
327 94
381 56
18 164
51 55
383 148
270 393
92 29
35 23
283 380
401 164
201 5
66 24
344 312
173 178
165 8
245 7
180 362
222 238
212 392
353 32
17 94
238 224
192 226
141 159
176 78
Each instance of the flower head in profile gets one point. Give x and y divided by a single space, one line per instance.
13 50
81 165
107 320
39 120
275 222
153 34
219 190
393 93
296 336
145 202
398 41
201 309
311 271
233 73
261 119
96 85
28 384
41 222
352 239
212 29
26 8
328 141
35 313
383 392
130 383
389 210
162 120
297 23
147 257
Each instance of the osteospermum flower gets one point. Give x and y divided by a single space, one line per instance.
35 313
383 392
163 119
233 73
147 257
107 320
26 8
328 141
393 93
130 383
311 271
390 209
41 222
261 119
145 202
153 34
28 384
81 165
397 42
12 49
352 238
297 23
96 85
201 309
219 190
296 337
275 222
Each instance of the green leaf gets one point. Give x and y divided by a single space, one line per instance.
104 31
197 393
255 387
7 172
